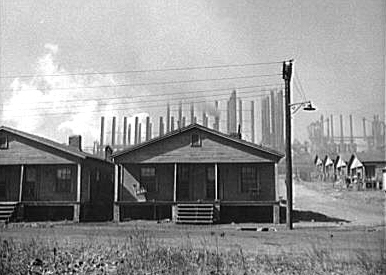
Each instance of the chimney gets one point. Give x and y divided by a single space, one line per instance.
75 142
108 152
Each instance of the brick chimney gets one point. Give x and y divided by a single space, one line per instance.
108 152
75 142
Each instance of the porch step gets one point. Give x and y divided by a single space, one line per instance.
7 209
194 213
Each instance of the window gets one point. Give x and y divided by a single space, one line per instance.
3 142
148 179
196 140
249 182
63 179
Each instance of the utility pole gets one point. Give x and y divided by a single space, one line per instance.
287 73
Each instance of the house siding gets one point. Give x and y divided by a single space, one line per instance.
178 149
24 151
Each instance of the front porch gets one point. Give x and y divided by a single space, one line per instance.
223 211
40 192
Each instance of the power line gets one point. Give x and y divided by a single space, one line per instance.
300 85
164 94
149 70
122 109
154 83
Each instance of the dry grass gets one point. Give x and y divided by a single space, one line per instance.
141 253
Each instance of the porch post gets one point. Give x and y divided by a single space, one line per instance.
78 190
174 206
276 206
116 213
21 182
216 182
175 183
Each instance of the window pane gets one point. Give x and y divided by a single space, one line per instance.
248 179
196 140
148 179
30 174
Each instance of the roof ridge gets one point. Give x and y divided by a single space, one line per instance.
199 126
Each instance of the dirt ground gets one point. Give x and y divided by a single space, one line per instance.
338 220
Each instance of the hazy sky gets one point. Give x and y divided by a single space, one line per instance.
338 47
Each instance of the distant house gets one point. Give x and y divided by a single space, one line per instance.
43 180
341 166
366 169
329 169
319 168
196 174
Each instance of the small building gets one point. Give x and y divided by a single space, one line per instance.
366 170
44 180
329 169
197 175
319 168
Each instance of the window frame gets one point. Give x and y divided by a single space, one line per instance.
4 145
252 179
144 179
66 182
197 143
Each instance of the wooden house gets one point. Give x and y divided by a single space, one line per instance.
43 180
366 170
196 174
329 169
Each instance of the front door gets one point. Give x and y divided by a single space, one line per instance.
183 182
30 184
210 182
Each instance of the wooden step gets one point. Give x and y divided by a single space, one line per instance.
191 213
6 210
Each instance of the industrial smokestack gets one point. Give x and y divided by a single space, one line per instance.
168 118
204 119
161 126
136 130
217 117
273 122
129 135
102 132
232 113
332 129
192 114
139 133
183 121
322 125
364 129
147 137
124 130
113 132
328 129
228 126
172 123
180 115
341 130
280 126
252 121
240 114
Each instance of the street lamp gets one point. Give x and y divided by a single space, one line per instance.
307 106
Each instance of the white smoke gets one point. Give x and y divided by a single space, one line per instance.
52 105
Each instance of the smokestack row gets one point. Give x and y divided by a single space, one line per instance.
272 113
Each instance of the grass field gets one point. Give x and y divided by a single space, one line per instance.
145 247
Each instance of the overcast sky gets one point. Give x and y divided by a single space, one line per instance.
338 47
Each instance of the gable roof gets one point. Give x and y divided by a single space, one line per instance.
205 129
53 144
